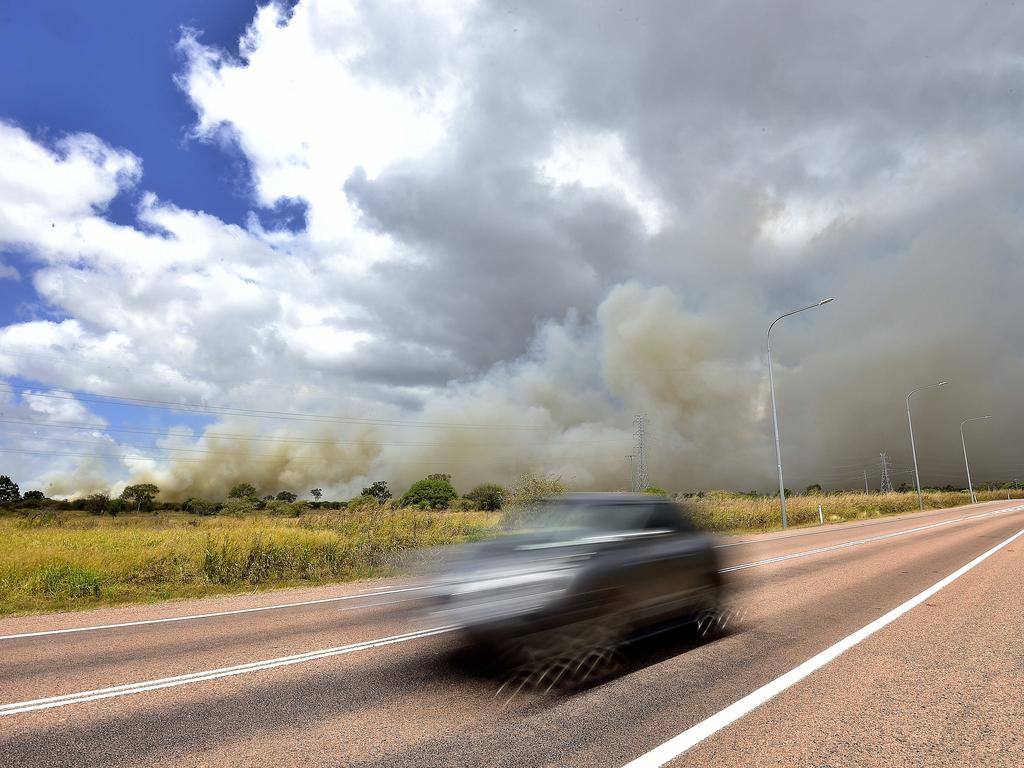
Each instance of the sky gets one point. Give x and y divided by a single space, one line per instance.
326 243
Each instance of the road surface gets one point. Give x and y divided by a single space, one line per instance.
889 642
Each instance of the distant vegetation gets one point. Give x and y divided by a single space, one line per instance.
726 512
96 550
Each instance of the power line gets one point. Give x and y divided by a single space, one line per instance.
215 410
271 439
113 455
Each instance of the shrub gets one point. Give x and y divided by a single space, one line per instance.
465 504
487 496
97 503
362 503
526 495
199 506
116 507
242 491
239 507
654 490
434 492
530 488
378 490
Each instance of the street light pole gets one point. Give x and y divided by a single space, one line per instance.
970 487
775 415
913 448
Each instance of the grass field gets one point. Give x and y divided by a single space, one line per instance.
73 560
724 512
52 561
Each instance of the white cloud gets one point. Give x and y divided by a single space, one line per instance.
306 115
599 161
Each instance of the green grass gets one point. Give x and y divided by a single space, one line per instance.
52 561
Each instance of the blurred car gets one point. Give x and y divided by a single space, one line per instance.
586 570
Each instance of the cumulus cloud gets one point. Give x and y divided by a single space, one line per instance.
524 226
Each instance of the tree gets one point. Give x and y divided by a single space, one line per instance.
141 496
440 476
530 488
199 506
286 496
96 504
378 490
316 493
487 496
116 507
242 491
526 497
813 490
33 496
430 493
9 491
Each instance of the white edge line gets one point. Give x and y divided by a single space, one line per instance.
169 619
212 674
677 745
858 542
847 525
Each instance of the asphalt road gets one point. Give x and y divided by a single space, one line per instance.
938 682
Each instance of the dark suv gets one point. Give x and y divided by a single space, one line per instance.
585 569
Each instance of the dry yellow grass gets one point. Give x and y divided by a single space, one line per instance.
72 560
725 512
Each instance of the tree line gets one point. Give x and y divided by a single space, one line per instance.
434 492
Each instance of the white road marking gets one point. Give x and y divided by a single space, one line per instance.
846 526
20 707
858 542
209 615
676 746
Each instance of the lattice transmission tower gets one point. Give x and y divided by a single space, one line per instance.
886 478
640 452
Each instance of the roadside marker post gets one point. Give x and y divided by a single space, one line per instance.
821 517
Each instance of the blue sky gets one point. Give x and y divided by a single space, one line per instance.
108 68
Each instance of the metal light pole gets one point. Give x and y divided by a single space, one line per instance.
913 448
970 488
775 415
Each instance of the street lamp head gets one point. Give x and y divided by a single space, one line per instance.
825 301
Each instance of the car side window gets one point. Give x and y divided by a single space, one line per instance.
667 517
